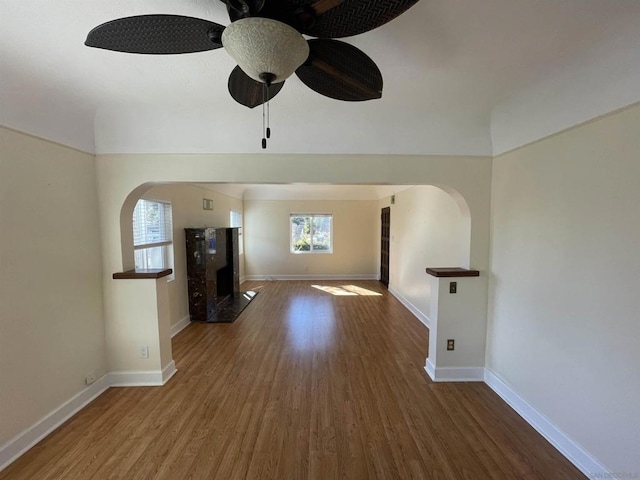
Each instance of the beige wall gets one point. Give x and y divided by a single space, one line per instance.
428 229
564 323
355 225
186 205
51 314
120 176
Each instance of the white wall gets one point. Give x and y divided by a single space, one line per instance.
563 321
267 238
428 229
51 312
186 206
598 81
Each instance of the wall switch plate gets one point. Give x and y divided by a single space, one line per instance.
451 343
207 204
453 287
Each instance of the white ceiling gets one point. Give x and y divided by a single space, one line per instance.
461 77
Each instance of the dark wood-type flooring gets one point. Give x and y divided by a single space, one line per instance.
315 380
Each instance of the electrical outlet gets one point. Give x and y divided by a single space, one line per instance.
453 288
89 379
144 351
451 344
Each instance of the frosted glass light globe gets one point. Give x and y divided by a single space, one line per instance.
262 45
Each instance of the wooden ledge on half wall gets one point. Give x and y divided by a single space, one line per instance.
452 272
143 273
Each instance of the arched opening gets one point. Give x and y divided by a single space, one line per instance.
126 225
464 226
124 179
431 226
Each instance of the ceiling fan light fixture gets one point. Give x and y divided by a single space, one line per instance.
262 45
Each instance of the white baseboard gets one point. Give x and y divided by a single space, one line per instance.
364 276
411 307
430 368
147 378
176 328
585 462
14 448
556 437
454 374
169 371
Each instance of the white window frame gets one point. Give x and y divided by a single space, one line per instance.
311 251
166 244
231 224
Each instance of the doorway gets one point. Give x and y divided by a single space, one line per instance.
385 235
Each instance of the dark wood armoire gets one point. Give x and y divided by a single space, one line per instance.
213 273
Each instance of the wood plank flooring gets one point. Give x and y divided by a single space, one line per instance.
315 380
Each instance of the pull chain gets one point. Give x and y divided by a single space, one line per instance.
264 139
267 80
268 99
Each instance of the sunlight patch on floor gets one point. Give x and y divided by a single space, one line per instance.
347 290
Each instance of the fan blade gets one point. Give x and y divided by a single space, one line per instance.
157 35
335 18
238 9
339 70
344 18
246 91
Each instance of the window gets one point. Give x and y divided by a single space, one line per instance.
311 233
235 220
152 234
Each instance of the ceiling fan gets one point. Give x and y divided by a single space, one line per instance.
265 38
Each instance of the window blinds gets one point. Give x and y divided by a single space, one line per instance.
236 219
152 224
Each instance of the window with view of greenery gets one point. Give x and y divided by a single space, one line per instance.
311 233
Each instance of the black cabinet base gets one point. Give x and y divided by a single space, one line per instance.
213 274
231 308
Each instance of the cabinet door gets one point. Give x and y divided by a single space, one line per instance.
196 273
211 264
235 259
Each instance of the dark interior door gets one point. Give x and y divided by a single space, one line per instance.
385 235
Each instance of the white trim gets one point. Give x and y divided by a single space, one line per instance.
577 455
18 445
169 371
142 246
430 368
242 280
454 374
362 276
176 328
411 307
147 378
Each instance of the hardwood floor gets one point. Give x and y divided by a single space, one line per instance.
315 380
